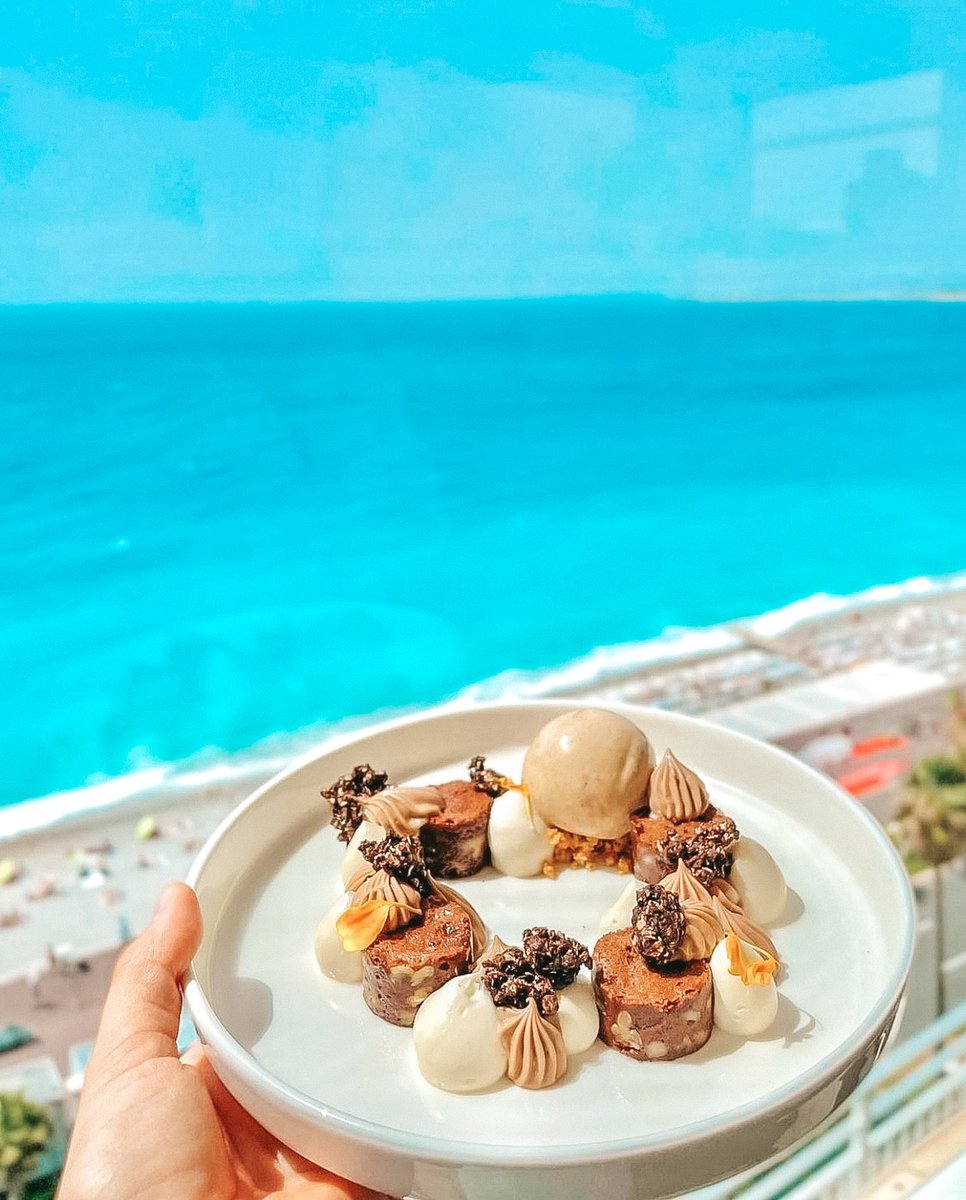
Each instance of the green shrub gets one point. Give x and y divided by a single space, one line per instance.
25 1132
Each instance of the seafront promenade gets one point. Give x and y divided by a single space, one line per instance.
859 686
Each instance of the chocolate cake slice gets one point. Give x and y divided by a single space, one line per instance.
400 969
454 840
650 1012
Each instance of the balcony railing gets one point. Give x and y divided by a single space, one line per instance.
908 1095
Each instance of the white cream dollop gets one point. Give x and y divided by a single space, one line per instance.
743 1008
621 912
578 1016
457 1036
759 881
352 860
519 845
343 965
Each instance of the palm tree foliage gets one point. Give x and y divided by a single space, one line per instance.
25 1132
929 827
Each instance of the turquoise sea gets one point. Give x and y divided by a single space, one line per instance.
220 522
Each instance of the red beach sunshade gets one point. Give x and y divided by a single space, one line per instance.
877 743
870 778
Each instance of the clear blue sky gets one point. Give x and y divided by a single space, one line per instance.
414 149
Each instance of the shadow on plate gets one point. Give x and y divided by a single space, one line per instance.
246 1010
794 908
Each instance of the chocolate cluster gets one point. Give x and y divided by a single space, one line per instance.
512 980
548 962
345 794
707 854
401 857
484 779
657 925
555 955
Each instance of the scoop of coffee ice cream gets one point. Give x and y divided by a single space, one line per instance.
587 770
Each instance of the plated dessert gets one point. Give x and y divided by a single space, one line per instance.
683 951
305 1055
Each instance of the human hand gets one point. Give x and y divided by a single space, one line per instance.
152 1126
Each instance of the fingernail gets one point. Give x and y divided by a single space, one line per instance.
164 901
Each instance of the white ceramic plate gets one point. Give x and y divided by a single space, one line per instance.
308 1059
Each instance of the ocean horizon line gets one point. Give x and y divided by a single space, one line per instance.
935 296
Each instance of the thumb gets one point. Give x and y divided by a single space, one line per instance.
143 1006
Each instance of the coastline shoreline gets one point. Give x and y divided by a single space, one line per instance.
163 785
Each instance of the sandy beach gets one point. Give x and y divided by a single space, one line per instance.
79 886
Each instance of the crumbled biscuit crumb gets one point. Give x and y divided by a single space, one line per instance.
574 850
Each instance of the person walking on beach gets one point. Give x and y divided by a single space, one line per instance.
153 1126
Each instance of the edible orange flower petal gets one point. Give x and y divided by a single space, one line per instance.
754 972
359 926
